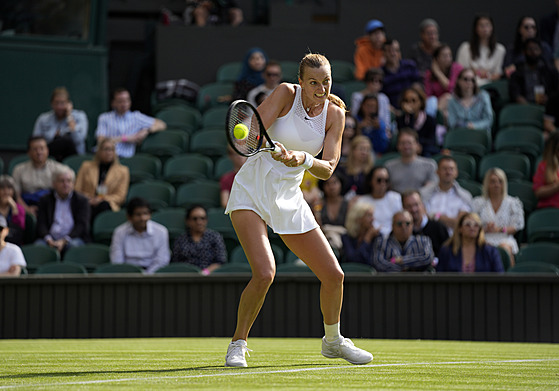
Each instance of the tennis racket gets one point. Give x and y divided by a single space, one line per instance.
257 139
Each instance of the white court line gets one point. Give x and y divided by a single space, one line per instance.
244 372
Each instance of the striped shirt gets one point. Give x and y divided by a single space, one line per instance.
112 124
417 253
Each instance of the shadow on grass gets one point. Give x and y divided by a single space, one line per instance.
159 371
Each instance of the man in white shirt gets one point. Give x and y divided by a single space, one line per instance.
140 241
447 200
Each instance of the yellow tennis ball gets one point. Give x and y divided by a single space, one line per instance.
240 131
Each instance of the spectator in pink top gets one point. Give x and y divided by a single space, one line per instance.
546 178
441 78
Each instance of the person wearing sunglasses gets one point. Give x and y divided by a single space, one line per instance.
272 78
525 28
469 106
467 251
199 245
401 250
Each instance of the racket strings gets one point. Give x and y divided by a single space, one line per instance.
244 115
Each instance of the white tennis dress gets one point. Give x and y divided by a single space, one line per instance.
270 188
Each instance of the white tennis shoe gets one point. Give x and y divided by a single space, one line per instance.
236 354
344 348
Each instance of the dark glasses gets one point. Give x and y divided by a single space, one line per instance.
403 223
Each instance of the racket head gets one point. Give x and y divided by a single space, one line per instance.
242 112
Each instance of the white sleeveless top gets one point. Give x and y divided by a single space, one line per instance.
270 188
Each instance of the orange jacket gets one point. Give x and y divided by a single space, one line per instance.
366 57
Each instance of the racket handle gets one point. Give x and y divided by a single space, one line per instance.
276 149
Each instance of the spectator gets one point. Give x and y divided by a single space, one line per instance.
126 128
502 216
446 201
534 79
413 116
370 124
401 250
140 241
467 251
368 49
386 202
64 128
350 130
373 85
422 224
103 180
226 180
213 12
33 178
11 210
469 107
360 233
422 52
410 171
526 28
358 164
251 77
482 52
441 77
272 78
63 215
399 74
546 178
199 246
11 256
331 210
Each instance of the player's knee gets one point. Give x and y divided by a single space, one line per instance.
263 278
334 278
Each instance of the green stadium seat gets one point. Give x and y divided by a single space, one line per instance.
142 166
179 267
119 268
159 194
37 255
342 71
515 114
173 220
474 187
233 268
293 268
353 267
105 223
222 166
238 255
539 252
205 193
181 117
75 161
212 143
515 165
534 267
543 225
469 141
90 255
214 94
215 117
521 139
229 72
61 268
165 144
290 71
524 191
187 167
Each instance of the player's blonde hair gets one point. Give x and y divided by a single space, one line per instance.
315 60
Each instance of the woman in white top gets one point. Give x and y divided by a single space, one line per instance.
386 202
502 215
11 257
304 119
482 52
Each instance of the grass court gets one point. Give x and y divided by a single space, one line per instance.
278 364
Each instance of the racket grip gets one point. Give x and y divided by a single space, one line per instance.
276 149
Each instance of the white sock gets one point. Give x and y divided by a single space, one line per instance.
332 332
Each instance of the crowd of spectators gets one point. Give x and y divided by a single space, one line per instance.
405 212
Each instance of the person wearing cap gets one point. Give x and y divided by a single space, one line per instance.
422 51
11 256
368 51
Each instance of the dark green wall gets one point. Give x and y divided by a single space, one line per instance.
516 308
29 73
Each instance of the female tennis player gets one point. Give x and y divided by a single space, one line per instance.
304 119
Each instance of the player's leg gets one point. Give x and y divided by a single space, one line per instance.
253 236
313 249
